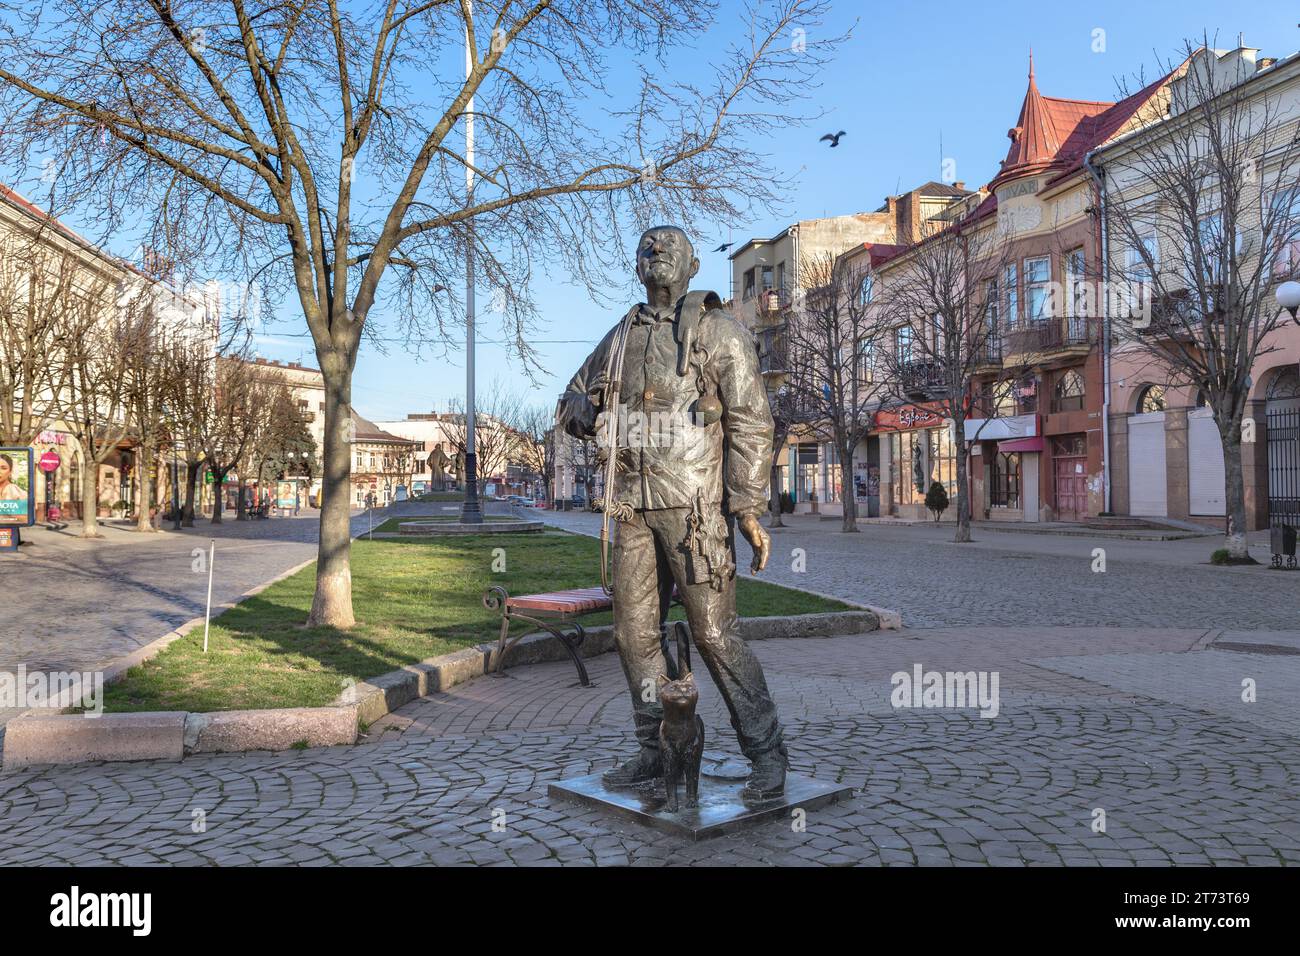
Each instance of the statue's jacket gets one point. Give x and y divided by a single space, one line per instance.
695 427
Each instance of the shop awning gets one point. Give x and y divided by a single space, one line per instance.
1021 444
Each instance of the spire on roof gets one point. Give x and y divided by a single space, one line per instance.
1034 140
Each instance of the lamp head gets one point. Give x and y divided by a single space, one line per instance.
1288 297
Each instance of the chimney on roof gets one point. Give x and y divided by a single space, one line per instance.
1265 62
960 184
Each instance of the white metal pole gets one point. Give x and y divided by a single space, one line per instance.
207 614
471 512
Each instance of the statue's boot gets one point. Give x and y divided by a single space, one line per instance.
767 778
646 765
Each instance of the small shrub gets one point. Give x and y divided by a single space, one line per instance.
936 499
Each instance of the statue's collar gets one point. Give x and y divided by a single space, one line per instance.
648 315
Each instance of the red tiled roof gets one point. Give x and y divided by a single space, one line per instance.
1055 134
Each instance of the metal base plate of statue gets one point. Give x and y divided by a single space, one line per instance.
721 809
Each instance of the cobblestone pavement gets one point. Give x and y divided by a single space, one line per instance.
86 603
1013 579
1120 698
1086 723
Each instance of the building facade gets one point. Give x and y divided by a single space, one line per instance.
1166 452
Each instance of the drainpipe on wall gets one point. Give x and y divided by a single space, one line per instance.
1104 253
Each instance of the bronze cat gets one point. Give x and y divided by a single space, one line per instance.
681 733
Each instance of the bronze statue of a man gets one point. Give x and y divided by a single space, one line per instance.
694 458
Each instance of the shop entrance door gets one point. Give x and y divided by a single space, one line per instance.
1070 471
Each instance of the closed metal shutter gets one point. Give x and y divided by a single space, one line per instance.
1205 478
1146 465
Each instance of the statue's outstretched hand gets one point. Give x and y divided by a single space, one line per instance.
758 539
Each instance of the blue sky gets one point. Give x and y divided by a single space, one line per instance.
912 72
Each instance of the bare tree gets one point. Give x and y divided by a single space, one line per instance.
40 304
933 299
535 449
101 339
1205 216
494 440
149 368
833 338
311 145
192 384
228 423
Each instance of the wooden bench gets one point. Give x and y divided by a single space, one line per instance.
553 612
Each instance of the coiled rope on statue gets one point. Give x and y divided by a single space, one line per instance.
614 376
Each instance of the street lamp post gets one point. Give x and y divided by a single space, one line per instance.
470 511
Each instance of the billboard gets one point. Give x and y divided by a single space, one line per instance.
17 486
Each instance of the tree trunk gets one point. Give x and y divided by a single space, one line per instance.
1235 490
90 500
218 481
241 505
332 603
963 492
774 502
187 511
144 492
848 495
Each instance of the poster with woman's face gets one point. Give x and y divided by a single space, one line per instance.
16 500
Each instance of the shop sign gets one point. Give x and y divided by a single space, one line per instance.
909 416
17 486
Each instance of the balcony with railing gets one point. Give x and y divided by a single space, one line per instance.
922 379
1049 338
989 353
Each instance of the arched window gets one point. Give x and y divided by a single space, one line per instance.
1068 394
1151 399
1285 385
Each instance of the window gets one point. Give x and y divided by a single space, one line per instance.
1068 394
936 333
992 320
1140 263
766 278
780 278
943 460
1038 277
1076 279
866 361
1210 231
903 344
1151 399
866 289
1012 286
1004 481
1286 231
748 286
1212 242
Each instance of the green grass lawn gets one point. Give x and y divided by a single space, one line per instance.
413 599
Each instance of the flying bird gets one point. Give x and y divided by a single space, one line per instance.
724 247
833 137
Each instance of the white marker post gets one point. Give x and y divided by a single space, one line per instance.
207 615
